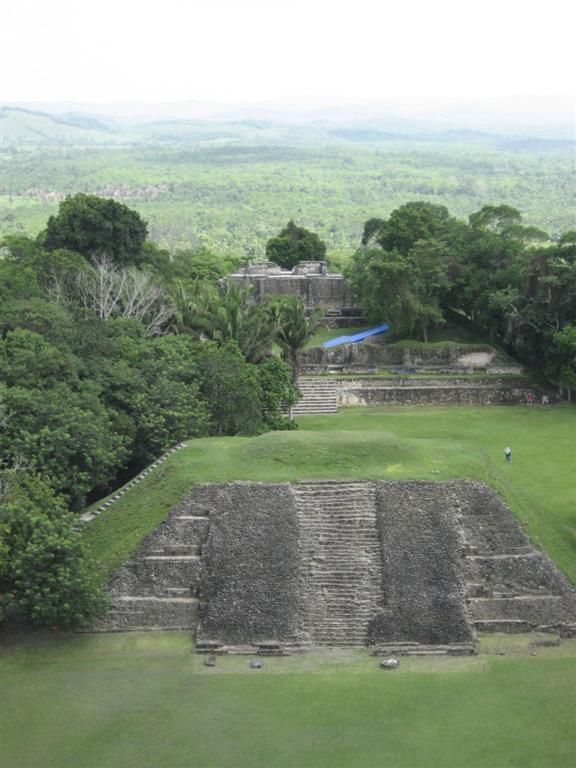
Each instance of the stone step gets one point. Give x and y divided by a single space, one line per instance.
147 600
499 556
339 577
131 612
151 575
533 609
415 649
172 558
329 497
310 409
360 504
335 484
317 397
509 626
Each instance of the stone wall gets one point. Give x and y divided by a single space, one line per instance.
403 567
249 583
422 577
370 355
398 391
511 585
308 281
157 588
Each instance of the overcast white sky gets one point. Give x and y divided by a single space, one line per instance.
257 50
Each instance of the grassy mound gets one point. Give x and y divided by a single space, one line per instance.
368 443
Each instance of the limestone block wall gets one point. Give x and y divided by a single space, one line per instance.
374 391
423 589
365 354
375 354
157 588
511 586
249 584
308 281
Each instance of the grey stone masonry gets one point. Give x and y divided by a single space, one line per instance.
376 352
249 583
327 395
447 391
511 586
340 567
406 567
309 280
422 583
157 588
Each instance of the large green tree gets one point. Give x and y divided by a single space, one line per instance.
95 226
223 316
561 359
408 224
295 244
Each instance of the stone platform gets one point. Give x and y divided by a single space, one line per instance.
396 567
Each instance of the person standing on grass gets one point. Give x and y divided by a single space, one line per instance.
508 454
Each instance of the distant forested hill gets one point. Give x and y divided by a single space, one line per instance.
231 185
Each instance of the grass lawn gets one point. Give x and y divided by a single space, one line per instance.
448 335
144 700
423 442
325 334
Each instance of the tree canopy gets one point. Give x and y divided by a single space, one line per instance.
512 282
95 226
295 244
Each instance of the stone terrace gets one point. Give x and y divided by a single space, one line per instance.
404 567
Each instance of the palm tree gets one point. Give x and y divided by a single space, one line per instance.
226 315
294 328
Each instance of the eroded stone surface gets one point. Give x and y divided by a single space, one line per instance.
309 281
423 590
406 567
249 584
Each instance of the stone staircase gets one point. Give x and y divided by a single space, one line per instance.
406 567
340 580
511 586
157 589
318 396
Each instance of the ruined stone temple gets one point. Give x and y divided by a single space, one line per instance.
403 567
309 280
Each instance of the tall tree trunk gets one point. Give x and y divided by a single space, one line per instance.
295 368
424 331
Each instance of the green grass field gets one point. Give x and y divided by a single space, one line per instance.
143 701
391 443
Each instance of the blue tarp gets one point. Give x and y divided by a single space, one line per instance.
357 336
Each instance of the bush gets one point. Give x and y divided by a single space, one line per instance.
231 388
45 577
278 393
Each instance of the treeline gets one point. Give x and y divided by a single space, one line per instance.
513 283
111 350
232 198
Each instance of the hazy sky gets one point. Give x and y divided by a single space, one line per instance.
255 50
